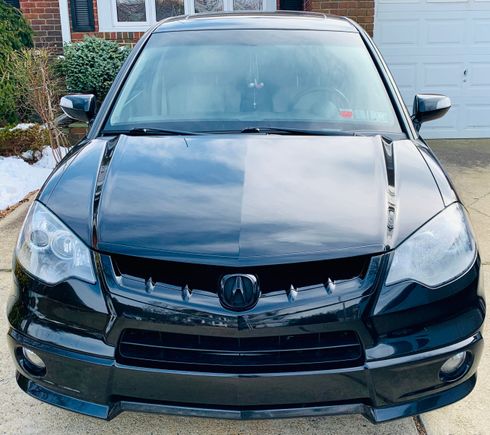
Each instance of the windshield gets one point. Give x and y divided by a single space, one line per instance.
231 80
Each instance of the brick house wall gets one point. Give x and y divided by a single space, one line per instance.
44 17
361 11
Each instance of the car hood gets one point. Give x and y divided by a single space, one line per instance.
244 199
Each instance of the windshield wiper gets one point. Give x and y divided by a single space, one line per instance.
150 131
141 131
153 131
296 131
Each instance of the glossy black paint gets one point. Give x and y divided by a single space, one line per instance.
238 202
79 346
79 107
217 199
427 107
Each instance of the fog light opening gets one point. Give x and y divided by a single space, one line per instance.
455 367
32 362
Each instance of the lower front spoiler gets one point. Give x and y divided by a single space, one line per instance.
380 390
375 415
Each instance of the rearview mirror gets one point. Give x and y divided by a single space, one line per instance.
79 107
427 107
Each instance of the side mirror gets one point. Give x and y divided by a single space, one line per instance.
79 107
427 107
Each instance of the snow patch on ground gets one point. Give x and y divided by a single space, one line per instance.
18 178
47 161
22 127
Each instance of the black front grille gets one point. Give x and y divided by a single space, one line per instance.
271 278
205 353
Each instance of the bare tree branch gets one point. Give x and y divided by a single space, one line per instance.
42 90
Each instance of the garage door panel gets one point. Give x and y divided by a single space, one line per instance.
451 9
413 54
480 31
443 75
399 32
448 122
477 116
480 76
447 1
447 126
440 46
405 73
443 32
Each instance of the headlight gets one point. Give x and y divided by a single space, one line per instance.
50 251
438 252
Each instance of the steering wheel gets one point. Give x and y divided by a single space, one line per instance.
337 98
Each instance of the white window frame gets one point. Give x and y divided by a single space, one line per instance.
147 23
107 14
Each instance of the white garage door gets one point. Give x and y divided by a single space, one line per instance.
443 47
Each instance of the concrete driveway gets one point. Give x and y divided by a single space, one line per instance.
468 162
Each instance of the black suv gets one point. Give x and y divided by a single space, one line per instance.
252 228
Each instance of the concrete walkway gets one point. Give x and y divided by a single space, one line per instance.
468 163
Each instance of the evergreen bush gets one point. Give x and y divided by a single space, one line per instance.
15 34
91 66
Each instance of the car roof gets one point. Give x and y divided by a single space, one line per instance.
257 20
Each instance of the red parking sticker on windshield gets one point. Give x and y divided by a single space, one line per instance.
346 113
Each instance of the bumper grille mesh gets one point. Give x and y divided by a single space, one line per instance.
204 353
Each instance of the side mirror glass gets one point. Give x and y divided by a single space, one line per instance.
79 107
427 107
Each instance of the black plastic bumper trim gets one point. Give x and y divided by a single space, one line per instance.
375 415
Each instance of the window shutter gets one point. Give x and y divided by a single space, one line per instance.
14 3
82 15
292 5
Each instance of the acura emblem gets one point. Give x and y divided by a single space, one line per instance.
239 292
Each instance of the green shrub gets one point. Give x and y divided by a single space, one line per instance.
15 34
91 66
15 142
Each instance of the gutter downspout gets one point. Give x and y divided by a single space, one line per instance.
65 21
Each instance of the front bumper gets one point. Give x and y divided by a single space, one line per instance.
75 329
102 388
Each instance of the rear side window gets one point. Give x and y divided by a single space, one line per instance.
222 80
